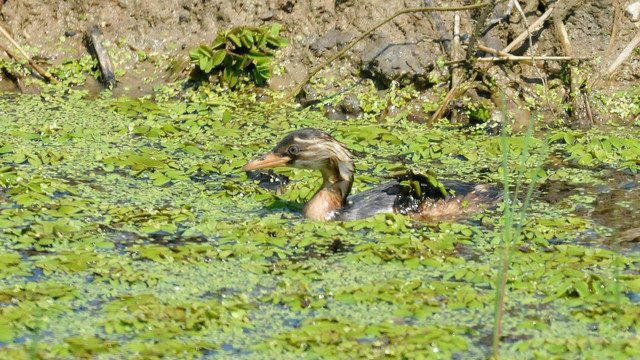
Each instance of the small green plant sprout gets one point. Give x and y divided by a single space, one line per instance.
478 113
239 54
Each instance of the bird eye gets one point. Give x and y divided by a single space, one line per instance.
294 149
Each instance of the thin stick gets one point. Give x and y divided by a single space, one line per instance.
624 54
563 36
457 72
493 51
614 30
450 95
17 78
526 23
9 53
587 108
456 50
524 59
313 72
529 30
33 64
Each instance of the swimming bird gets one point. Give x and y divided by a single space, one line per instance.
315 149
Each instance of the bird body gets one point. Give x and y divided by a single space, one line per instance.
315 149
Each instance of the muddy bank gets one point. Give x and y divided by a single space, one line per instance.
408 50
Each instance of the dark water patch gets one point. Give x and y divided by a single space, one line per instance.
466 252
202 177
169 239
37 273
324 250
268 179
338 247
616 205
556 191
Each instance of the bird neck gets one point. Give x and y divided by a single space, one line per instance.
337 179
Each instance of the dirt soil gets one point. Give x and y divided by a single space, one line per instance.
404 51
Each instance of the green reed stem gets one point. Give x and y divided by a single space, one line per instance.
509 237
506 237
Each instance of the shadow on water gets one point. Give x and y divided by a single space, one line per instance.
614 203
617 206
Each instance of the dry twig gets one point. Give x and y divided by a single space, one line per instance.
614 30
8 52
456 51
452 94
624 54
563 36
457 72
524 59
517 41
33 64
16 78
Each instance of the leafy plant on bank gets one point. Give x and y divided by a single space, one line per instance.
240 54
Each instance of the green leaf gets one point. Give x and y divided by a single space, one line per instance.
257 76
161 180
275 29
233 80
206 50
562 289
218 57
220 40
582 288
226 74
273 41
6 333
235 40
195 54
283 41
569 139
242 63
262 41
412 263
203 61
244 39
249 37
226 117
586 159
209 65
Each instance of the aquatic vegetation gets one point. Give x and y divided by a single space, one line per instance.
240 53
625 104
592 148
127 227
75 71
